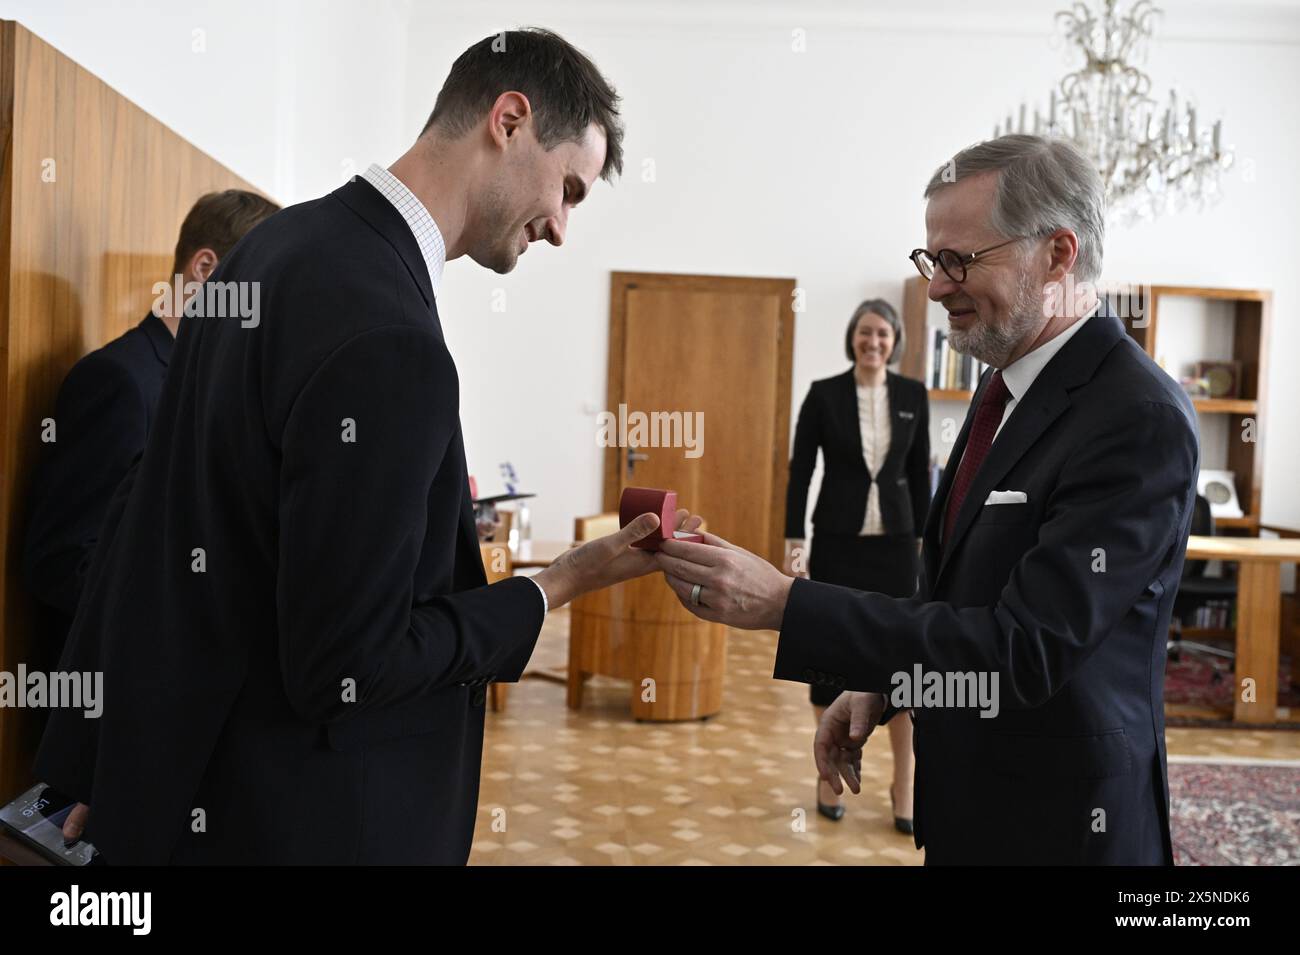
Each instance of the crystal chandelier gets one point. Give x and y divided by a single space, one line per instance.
1151 161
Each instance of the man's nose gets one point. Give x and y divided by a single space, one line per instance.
555 227
941 286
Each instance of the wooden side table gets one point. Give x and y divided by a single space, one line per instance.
1259 614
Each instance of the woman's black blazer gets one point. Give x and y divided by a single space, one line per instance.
829 420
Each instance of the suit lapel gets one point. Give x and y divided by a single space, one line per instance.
367 202
1030 418
1047 398
849 388
932 548
849 399
897 425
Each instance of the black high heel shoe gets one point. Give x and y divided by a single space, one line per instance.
902 825
833 813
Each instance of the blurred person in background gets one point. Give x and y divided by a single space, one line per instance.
873 429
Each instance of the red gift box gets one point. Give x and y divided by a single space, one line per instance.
647 500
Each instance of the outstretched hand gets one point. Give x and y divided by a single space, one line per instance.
736 588
606 560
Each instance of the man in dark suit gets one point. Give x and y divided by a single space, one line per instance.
105 408
289 605
1052 551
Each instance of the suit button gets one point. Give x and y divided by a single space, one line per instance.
839 682
810 675
479 697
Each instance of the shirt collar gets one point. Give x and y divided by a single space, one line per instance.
1020 374
427 235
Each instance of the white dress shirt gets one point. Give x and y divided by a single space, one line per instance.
427 234
429 238
1021 373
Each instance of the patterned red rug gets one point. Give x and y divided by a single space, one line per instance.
1243 812
1201 679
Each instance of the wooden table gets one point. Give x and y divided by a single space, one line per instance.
630 631
1259 615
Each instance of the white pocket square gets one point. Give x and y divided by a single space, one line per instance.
1007 497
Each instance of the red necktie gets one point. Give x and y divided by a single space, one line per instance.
987 418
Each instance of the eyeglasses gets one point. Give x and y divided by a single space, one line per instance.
953 263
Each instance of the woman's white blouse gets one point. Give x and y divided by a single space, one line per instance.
873 420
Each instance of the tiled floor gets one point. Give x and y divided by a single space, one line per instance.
596 788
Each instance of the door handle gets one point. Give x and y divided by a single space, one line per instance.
632 458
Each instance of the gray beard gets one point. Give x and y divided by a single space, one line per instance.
993 344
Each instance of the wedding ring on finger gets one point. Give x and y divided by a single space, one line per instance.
695 595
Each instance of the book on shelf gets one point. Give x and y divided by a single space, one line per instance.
1212 615
948 369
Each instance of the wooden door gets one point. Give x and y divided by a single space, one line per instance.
699 391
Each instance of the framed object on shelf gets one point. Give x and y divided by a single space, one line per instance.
1220 489
1222 377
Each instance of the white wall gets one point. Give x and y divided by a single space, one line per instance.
290 94
768 162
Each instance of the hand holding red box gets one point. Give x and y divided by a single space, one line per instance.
647 500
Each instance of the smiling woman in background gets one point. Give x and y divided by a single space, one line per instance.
873 429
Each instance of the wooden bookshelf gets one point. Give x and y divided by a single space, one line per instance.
1139 308
1226 405
1245 523
1250 318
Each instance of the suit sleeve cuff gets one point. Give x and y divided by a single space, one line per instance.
546 604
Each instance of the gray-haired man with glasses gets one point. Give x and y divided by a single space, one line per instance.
1032 656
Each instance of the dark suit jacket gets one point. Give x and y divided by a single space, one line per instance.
1066 597
105 408
829 420
288 605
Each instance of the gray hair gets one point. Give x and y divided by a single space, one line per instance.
1043 185
877 306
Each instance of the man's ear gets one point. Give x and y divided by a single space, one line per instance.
201 265
1062 250
509 114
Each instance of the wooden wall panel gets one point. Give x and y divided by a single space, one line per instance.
92 194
